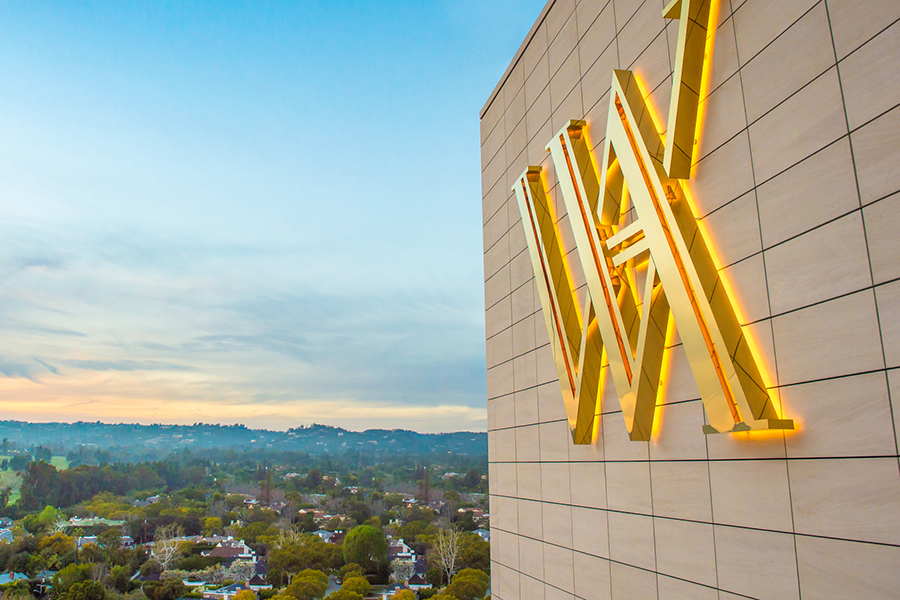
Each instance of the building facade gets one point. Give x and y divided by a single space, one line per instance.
795 186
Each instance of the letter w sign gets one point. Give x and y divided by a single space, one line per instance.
644 259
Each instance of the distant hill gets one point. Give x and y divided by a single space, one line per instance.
313 439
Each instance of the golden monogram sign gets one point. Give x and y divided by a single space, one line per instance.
644 259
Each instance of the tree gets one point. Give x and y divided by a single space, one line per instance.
404 595
240 570
357 584
412 530
265 488
18 462
367 546
212 525
351 570
166 548
344 595
313 479
111 539
469 584
166 589
244 595
40 486
58 543
307 552
88 590
66 577
119 580
402 570
308 585
446 544
474 552
425 486
466 521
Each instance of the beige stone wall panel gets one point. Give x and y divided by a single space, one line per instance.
842 569
871 78
825 263
876 151
801 125
860 426
854 22
848 498
882 221
722 175
734 230
686 550
834 338
592 577
774 74
827 175
888 298
678 589
632 583
631 540
681 490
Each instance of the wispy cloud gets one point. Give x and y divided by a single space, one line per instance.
49 367
13 368
119 365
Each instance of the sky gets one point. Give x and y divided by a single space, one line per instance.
265 213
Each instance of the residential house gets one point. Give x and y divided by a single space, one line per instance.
258 582
10 576
225 593
484 533
232 550
147 502
337 538
389 591
81 542
44 579
418 582
398 550
324 534
318 515
421 567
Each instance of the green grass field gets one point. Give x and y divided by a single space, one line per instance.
12 480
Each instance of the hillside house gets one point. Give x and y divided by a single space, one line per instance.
226 593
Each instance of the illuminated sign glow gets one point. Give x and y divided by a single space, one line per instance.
644 259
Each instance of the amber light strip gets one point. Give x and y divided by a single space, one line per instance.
606 295
548 283
713 353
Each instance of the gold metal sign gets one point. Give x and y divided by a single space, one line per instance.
644 259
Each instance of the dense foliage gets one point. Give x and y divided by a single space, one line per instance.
273 501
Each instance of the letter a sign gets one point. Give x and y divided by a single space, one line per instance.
644 259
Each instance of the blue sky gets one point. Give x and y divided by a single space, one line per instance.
260 212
